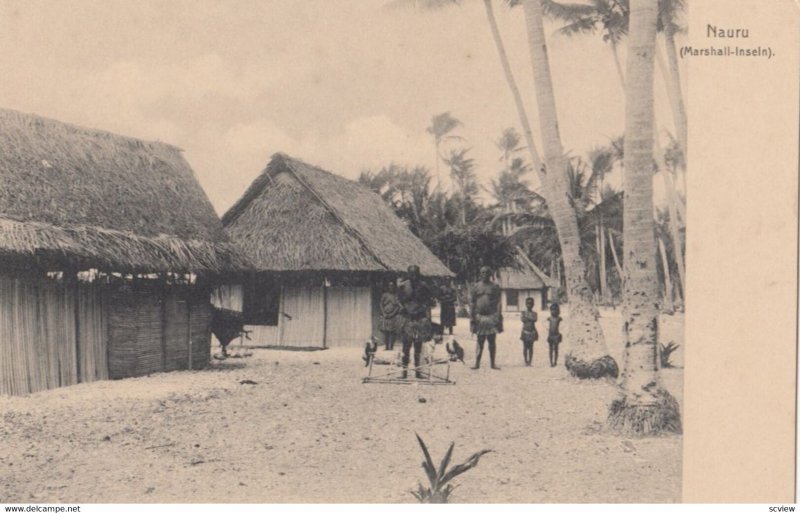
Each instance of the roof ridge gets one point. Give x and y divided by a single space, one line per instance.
336 214
533 267
87 130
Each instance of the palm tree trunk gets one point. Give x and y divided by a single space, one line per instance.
614 254
668 306
676 97
644 408
587 356
512 84
438 180
620 74
600 267
603 270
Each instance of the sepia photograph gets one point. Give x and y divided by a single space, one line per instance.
351 251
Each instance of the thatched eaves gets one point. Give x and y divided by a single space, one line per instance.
298 217
525 276
80 197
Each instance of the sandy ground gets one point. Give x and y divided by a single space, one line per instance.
310 431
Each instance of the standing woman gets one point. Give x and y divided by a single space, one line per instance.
391 318
447 303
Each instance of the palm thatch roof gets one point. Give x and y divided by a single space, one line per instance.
298 217
525 276
82 197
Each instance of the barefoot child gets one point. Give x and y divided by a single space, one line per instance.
553 334
529 333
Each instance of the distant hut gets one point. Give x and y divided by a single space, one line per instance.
524 281
323 247
108 248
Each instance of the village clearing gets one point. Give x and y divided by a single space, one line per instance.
308 430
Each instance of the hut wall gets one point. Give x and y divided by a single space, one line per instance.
149 330
51 334
304 322
92 333
200 323
349 316
263 335
228 297
176 332
536 294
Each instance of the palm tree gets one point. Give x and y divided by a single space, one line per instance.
462 173
607 16
611 18
440 128
509 189
644 407
589 356
602 160
669 12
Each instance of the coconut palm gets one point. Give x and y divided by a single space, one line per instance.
669 24
610 17
644 407
509 190
588 356
440 128
462 174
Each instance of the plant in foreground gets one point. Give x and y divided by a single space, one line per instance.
666 352
439 479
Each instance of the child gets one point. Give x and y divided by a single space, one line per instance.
529 333
553 335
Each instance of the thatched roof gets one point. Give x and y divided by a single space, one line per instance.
525 276
89 198
297 217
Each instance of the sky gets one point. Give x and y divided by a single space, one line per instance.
344 84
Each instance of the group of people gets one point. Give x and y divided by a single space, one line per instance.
406 315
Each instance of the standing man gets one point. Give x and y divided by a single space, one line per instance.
486 318
416 298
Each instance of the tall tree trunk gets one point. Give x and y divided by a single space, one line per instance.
614 254
587 355
620 74
536 160
673 202
668 306
644 408
676 97
438 180
603 269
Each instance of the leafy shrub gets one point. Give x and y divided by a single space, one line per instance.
439 479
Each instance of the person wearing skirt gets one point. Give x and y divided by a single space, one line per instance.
486 319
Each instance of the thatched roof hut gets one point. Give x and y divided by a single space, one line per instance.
129 217
321 222
322 247
85 198
523 281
